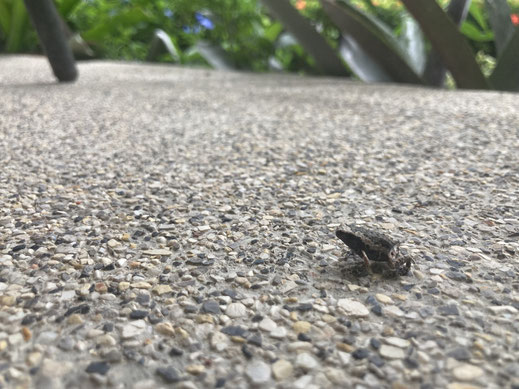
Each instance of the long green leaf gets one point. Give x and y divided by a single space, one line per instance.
471 31
19 20
506 73
450 44
477 13
161 40
412 38
376 40
5 18
326 60
499 15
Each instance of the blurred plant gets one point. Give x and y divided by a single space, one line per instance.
370 46
16 32
123 30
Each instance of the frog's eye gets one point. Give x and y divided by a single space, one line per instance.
393 253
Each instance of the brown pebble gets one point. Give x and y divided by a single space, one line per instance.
101 287
27 334
345 347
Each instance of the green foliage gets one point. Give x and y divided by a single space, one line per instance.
16 33
123 29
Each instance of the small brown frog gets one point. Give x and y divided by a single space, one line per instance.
374 246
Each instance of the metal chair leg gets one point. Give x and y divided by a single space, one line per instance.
49 27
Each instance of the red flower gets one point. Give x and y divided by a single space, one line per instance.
515 19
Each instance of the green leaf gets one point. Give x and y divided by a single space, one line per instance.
449 43
65 7
326 60
272 32
108 26
476 12
472 32
161 40
19 19
374 38
506 73
412 39
5 17
499 15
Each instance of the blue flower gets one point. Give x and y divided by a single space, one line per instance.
168 13
204 21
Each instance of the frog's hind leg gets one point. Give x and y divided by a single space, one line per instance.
367 264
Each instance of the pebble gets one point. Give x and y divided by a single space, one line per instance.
16 339
288 286
169 374
112 355
66 343
162 289
382 298
460 353
219 341
157 252
398 342
306 361
98 368
133 329
336 376
106 340
391 352
353 308
211 306
467 372
46 337
299 346
235 310
186 385
448 310
34 358
279 333
301 327
267 325
503 309
258 372
138 314
282 369
360 353
195 369
302 382
393 311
